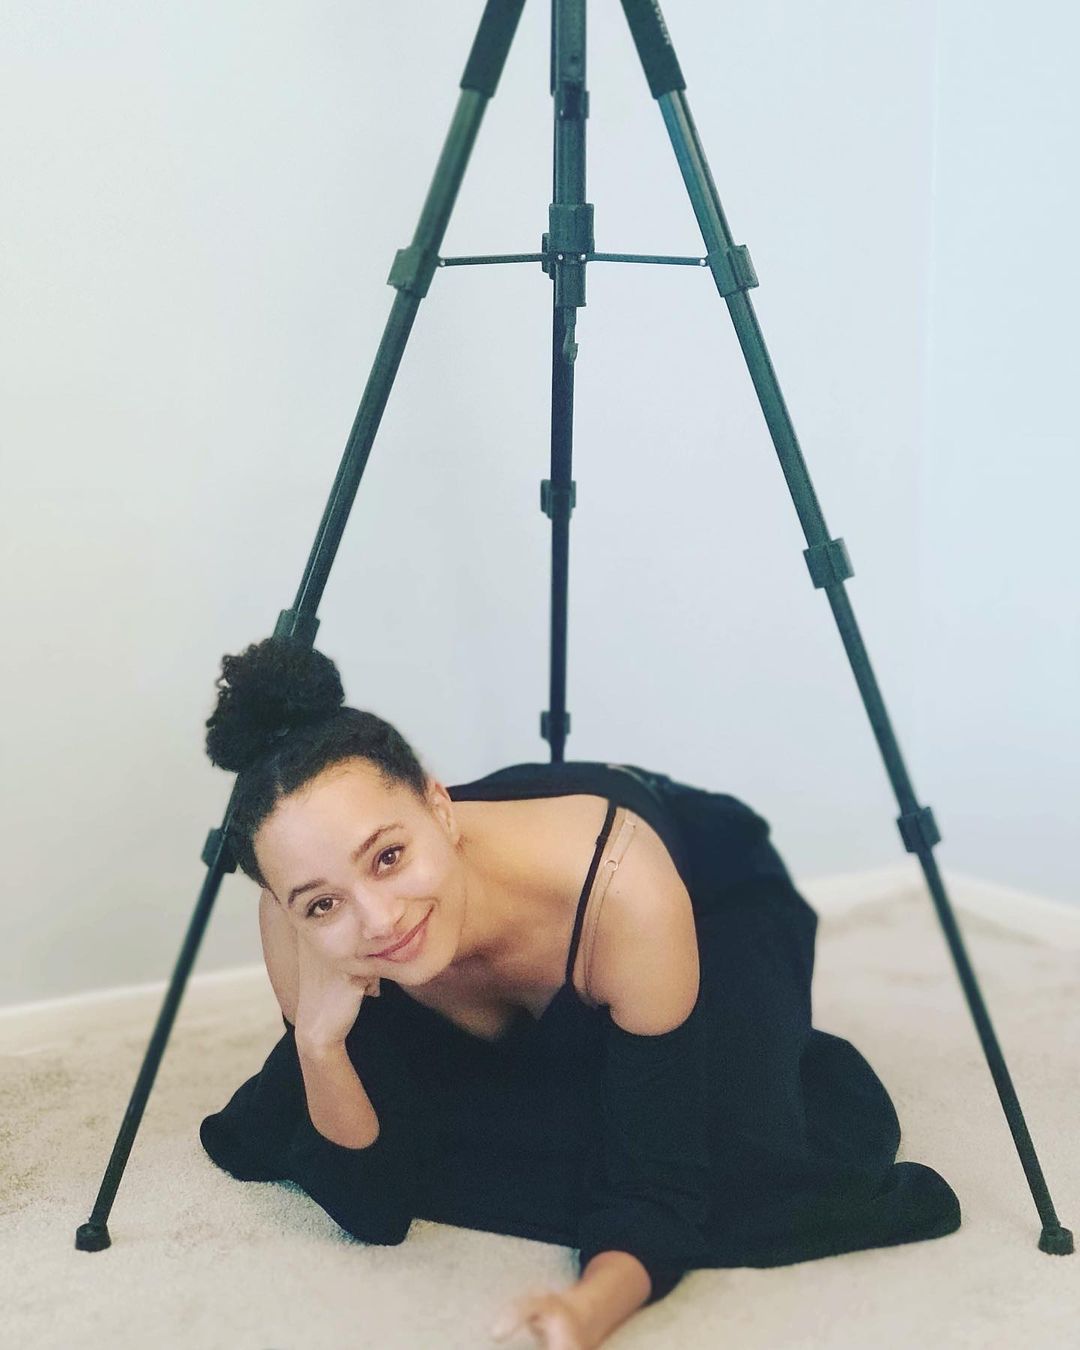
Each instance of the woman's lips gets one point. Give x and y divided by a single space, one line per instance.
408 947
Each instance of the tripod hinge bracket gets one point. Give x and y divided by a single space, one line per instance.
829 563
557 500
918 830
217 843
546 721
570 232
413 269
732 269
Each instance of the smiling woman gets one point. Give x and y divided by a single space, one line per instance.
355 848
356 865
594 1021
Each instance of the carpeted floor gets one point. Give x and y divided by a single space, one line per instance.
207 1263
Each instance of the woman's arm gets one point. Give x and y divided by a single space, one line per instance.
337 1103
337 1110
648 1187
323 1004
612 1286
368 1180
279 944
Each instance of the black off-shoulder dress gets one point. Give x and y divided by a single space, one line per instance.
743 1137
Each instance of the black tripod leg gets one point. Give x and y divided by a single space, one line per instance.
93 1236
411 275
568 240
826 558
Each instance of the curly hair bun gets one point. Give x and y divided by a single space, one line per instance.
266 691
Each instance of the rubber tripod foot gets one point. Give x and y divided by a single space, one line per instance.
92 1237
1057 1241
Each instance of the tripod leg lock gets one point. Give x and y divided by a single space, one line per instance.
557 500
571 103
546 722
918 830
215 844
828 563
413 269
294 623
732 269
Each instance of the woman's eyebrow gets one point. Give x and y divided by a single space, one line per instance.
357 854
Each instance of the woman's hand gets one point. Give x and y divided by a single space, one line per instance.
328 1000
550 1317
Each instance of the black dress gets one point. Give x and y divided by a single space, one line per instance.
743 1137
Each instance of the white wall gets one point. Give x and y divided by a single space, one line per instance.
203 204
1000 639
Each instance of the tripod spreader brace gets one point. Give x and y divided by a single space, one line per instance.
732 268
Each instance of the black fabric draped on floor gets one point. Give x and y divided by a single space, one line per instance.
743 1137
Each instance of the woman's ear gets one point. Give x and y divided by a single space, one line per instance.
442 807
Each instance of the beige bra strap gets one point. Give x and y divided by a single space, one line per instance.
608 867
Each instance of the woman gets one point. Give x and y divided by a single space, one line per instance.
626 1066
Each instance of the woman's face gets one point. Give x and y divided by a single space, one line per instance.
357 864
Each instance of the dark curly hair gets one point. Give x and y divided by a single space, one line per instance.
280 720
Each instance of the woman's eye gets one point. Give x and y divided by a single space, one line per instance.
313 912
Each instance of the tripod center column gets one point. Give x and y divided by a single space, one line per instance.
566 248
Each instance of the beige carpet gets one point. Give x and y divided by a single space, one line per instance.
207 1263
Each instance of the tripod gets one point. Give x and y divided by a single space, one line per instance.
566 250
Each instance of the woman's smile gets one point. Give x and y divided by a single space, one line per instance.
408 947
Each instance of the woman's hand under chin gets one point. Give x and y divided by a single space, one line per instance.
329 998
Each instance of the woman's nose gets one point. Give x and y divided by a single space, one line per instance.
380 922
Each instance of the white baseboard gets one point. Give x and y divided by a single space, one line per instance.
836 895
1034 916
114 995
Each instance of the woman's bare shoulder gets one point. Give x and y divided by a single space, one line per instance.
643 960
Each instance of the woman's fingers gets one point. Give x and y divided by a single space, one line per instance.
543 1316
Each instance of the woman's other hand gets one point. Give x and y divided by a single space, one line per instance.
551 1319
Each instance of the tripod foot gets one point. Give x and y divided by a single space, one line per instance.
1056 1240
94 1237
